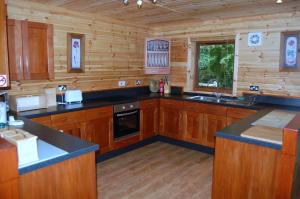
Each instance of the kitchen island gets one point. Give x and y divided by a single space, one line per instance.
253 168
66 172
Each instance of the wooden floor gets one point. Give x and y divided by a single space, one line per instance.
156 171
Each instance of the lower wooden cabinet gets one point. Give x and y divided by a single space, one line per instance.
202 121
46 120
9 179
71 123
94 125
171 115
98 127
149 118
243 170
188 121
235 114
212 124
194 126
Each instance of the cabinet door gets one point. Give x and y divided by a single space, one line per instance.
46 120
3 45
75 129
235 114
99 131
149 118
15 49
99 127
171 122
193 122
38 53
212 124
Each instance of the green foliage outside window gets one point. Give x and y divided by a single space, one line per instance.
216 65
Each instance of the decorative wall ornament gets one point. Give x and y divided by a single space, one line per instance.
139 3
255 39
290 51
157 56
76 53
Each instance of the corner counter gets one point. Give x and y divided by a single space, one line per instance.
70 175
250 168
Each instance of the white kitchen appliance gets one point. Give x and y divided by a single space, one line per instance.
3 112
72 96
27 102
50 94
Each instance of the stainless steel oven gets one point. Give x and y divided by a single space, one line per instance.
126 120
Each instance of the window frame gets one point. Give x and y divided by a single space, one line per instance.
196 86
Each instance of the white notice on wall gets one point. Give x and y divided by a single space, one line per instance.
255 39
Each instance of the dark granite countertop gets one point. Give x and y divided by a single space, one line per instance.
76 146
73 145
235 130
96 103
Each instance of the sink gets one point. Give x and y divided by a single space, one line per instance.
230 101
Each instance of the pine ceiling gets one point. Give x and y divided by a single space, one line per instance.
175 11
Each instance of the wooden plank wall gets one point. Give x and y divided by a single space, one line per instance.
259 65
114 51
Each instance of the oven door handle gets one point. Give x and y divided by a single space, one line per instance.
126 114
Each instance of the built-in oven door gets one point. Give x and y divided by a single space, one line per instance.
126 123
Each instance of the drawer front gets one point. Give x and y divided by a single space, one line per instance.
215 109
64 118
99 112
172 103
194 106
43 120
239 112
153 103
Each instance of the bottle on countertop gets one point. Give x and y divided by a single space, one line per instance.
161 86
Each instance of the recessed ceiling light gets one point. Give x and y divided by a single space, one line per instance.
278 1
139 3
126 2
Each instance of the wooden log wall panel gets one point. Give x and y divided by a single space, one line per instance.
113 51
178 61
257 65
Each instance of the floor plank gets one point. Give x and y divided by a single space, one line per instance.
156 171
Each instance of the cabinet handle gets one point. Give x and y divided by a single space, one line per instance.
20 62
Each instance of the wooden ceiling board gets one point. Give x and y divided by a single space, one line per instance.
173 11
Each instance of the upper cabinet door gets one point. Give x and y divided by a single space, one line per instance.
3 46
15 49
30 46
37 39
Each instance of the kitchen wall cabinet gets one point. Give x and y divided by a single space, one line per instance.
3 46
99 126
149 110
31 54
171 115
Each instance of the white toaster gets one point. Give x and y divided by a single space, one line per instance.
73 96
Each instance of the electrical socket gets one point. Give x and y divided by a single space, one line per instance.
122 83
254 88
62 87
138 82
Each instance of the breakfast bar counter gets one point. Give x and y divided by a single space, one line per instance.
61 157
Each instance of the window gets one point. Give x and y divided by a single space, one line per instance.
214 66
